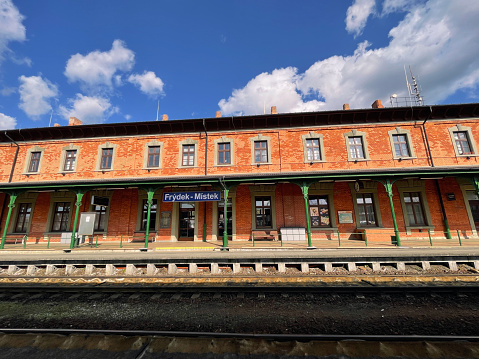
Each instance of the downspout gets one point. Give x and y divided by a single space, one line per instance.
441 202
14 159
206 173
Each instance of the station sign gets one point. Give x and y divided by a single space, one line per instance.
200 196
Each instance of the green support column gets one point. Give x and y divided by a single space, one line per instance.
150 192
389 189
305 190
78 203
11 206
225 230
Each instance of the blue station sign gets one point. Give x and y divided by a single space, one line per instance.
201 196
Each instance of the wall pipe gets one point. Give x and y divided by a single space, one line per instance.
206 173
15 158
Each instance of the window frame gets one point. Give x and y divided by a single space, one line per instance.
270 207
362 135
189 142
261 138
99 158
153 143
263 191
25 198
470 138
370 187
313 136
318 197
219 141
63 158
414 185
410 147
324 189
69 164
102 193
68 219
28 158
143 196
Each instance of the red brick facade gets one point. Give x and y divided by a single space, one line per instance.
433 156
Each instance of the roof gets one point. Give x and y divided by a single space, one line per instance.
270 121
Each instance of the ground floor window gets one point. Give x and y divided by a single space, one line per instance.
367 215
414 208
263 212
61 216
144 215
319 211
23 218
100 217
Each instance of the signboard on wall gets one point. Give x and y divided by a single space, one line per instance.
345 216
199 196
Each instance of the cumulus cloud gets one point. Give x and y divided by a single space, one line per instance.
390 6
7 122
89 109
357 15
435 37
148 83
11 27
35 93
97 69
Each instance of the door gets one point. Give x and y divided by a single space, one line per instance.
474 204
187 222
221 219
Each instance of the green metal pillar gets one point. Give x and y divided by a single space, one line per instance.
389 189
225 229
78 203
11 206
150 193
305 190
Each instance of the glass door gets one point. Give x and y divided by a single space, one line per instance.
221 219
187 222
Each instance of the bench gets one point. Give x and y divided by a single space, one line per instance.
13 239
265 234
140 237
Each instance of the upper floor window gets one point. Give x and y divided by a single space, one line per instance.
356 149
260 151
401 148
106 158
462 140
34 161
188 157
70 158
462 143
224 153
313 151
153 156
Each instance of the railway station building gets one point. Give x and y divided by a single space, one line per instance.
395 173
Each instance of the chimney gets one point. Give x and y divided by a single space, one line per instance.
218 113
346 106
273 110
74 122
56 125
165 118
377 104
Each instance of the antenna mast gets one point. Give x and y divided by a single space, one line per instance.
158 110
413 97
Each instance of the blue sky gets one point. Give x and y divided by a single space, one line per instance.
111 61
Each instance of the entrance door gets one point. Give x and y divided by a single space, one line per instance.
474 204
221 219
187 222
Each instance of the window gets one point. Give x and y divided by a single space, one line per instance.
319 211
313 151
188 155
99 218
106 158
61 216
34 161
224 153
144 215
356 146
401 148
23 217
462 143
263 212
356 149
260 151
414 208
70 158
153 156
365 205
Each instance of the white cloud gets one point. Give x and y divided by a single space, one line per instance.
436 38
35 94
390 6
7 91
95 70
11 27
7 122
148 83
357 15
89 109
